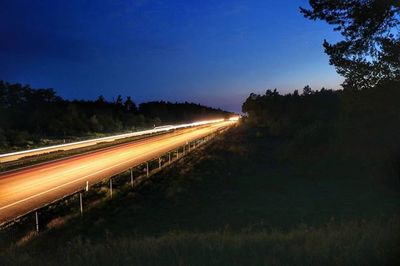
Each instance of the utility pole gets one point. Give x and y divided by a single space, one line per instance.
80 202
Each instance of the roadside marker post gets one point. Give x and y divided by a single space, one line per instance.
169 157
159 162
131 177
87 186
81 202
147 169
37 221
111 188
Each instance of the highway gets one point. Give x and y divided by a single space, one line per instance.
80 144
27 189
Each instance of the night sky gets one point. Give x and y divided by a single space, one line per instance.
206 51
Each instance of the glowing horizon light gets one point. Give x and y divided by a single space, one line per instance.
234 118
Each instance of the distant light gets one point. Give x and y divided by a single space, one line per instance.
234 118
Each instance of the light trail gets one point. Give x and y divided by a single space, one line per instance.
27 189
12 156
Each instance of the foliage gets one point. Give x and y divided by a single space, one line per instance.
370 50
349 124
353 243
171 112
287 114
28 115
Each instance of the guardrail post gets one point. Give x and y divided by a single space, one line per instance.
111 188
131 177
37 221
80 202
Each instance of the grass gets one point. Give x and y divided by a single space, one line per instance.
235 202
365 243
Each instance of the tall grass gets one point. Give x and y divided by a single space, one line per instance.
353 243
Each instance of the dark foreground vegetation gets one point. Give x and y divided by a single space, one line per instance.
33 117
248 198
357 127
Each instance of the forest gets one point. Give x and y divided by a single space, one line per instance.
360 122
28 116
347 124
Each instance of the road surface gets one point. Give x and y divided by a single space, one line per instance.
30 188
80 144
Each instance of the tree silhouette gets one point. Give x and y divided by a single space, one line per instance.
370 51
28 115
129 105
307 90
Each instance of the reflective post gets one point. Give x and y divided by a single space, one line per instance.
147 169
37 221
81 203
131 177
111 188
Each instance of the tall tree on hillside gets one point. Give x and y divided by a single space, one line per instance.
370 51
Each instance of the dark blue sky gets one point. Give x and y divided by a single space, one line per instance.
207 51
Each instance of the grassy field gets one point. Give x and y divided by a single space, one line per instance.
235 202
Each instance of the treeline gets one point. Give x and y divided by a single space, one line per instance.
27 115
287 114
355 126
184 112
